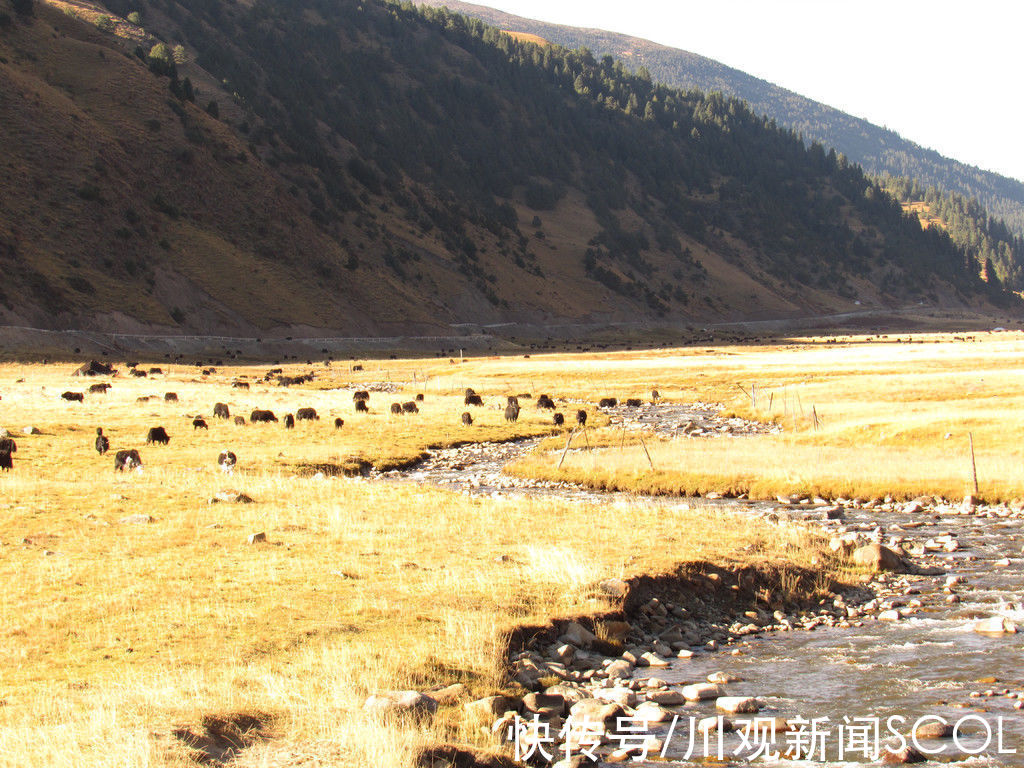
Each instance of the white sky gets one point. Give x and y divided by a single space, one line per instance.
946 75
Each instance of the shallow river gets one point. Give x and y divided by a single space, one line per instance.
928 664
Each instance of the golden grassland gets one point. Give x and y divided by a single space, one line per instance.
893 418
117 634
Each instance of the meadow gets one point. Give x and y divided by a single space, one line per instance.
862 417
138 622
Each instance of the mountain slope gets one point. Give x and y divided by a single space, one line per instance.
366 168
878 150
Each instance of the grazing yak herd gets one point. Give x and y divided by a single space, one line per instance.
130 459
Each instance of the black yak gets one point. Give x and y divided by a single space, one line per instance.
607 402
558 419
581 418
396 408
467 419
473 400
240 421
199 423
258 415
73 397
361 407
339 423
171 397
157 435
307 414
410 407
289 421
221 411
7 447
511 412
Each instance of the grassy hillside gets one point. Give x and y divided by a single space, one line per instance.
371 169
878 150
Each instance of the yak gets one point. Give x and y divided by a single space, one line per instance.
102 442
157 435
227 461
7 447
125 461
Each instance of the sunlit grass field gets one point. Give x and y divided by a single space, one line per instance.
117 634
868 418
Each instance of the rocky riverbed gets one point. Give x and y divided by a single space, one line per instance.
704 670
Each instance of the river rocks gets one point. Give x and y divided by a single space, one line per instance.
565 653
578 635
619 668
571 693
653 660
702 691
544 704
723 678
901 755
410 703
596 711
717 724
451 694
667 698
737 705
933 730
624 697
878 559
995 625
651 712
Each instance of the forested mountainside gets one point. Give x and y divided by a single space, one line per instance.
372 168
878 150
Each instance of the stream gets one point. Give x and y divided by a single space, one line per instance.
909 654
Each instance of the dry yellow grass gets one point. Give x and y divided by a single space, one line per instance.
117 634
893 418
